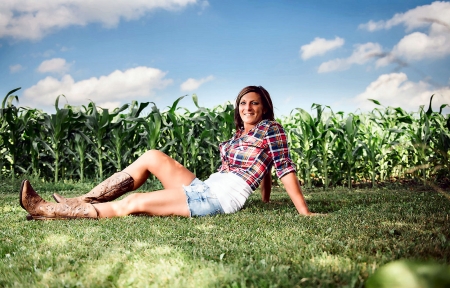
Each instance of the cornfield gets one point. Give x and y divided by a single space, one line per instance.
83 143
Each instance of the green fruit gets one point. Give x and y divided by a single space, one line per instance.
410 274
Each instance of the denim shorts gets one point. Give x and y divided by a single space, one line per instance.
201 201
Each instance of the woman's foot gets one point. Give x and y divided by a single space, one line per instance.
39 209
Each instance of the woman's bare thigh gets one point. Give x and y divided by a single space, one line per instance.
169 172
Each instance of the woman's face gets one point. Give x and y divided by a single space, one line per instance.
251 109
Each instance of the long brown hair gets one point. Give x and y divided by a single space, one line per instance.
266 101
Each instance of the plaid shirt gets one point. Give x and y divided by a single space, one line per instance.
251 156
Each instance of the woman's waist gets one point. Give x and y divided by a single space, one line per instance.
246 177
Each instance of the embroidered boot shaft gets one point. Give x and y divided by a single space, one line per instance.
110 189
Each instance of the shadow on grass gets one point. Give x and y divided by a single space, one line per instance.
317 204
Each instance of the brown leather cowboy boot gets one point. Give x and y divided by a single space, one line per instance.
39 209
110 189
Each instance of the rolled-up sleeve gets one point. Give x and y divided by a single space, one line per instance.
279 151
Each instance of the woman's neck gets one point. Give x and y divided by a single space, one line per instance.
247 129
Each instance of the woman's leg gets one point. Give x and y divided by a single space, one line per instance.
169 172
165 202
170 201
159 203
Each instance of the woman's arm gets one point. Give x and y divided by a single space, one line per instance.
294 191
266 186
285 167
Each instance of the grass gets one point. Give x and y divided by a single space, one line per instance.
264 245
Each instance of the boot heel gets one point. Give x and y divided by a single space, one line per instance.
20 195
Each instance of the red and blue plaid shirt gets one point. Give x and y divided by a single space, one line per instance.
251 156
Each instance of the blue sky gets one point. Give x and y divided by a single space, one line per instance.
336 53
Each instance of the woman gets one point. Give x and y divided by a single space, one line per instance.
247 158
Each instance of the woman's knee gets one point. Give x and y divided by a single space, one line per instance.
152 153
155 158
130 203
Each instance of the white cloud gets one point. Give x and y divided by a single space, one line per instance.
15 68
396 90
193 84
361 54
55 65
319 47
109 105
119 85
436 13
418 45
372 25
30 19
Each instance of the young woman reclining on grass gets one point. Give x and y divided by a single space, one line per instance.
259 143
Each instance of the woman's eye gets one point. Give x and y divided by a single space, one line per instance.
242 103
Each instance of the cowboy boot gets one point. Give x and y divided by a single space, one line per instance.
110 189
39 209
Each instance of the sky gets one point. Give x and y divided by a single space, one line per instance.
334 53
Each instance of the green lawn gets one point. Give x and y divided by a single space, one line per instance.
264 245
